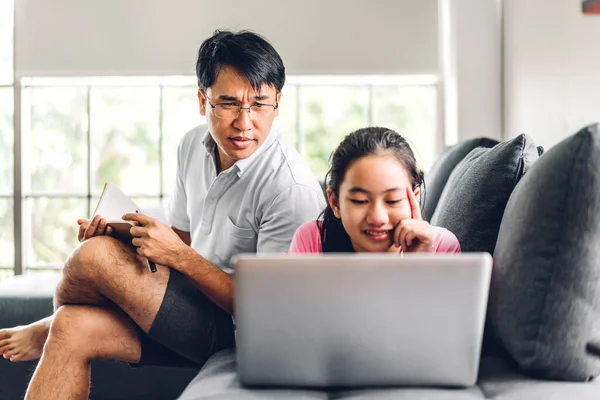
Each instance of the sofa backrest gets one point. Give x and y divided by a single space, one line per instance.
436 178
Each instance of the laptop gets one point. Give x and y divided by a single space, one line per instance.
360 320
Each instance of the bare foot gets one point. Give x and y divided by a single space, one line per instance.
24 343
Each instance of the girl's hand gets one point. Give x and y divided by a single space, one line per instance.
413 235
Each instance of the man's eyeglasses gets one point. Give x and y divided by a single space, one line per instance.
232 110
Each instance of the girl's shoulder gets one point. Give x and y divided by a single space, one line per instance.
444 241
307 238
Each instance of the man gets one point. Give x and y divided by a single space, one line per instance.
239 189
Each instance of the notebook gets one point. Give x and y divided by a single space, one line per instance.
112 205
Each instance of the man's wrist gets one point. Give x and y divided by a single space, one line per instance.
185 258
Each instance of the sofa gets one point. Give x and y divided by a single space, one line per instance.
536 212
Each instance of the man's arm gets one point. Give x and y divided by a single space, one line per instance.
183 235
279 221
288 210
212 281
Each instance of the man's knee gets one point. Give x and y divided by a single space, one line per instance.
70 327
87 333
91 258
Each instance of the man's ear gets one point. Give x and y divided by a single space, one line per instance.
277 100
334 203
202 102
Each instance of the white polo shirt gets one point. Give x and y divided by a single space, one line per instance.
254 206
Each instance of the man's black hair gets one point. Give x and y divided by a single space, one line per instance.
247 52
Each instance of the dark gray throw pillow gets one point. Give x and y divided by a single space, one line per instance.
545 294
473 201
436 178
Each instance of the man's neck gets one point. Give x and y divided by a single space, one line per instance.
222 166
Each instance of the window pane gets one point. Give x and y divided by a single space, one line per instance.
57 147
411 111
7 246
44 271
180 114
51 226
6 273
125 135
6 41
287 120
6 141
329 114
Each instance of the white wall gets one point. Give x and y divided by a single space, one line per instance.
551 69
161 37
471 61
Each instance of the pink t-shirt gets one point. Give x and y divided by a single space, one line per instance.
307 239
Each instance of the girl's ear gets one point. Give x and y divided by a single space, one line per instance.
333 202
417 191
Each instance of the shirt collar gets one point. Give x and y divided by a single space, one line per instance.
242 165
208 143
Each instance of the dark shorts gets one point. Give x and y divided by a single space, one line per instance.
188 329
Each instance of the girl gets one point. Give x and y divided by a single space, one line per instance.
372 186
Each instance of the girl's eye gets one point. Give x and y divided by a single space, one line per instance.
354 201
392 202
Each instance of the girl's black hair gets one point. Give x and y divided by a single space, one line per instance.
358 144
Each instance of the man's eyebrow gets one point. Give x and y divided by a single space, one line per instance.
358 189
227 97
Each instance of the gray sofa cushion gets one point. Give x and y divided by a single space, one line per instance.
545 292
473 201
436 178
497 380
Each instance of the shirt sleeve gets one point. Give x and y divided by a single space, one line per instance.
178 217
307 239
291 208
444 241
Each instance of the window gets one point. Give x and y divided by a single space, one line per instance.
6 185
79 133
7 243
82 132
325 109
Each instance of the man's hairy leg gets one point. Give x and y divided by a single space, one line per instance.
101 271
79 334
105 271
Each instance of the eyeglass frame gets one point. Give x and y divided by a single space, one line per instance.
240 108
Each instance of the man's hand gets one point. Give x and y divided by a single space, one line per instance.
413 234
94 227
155 240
